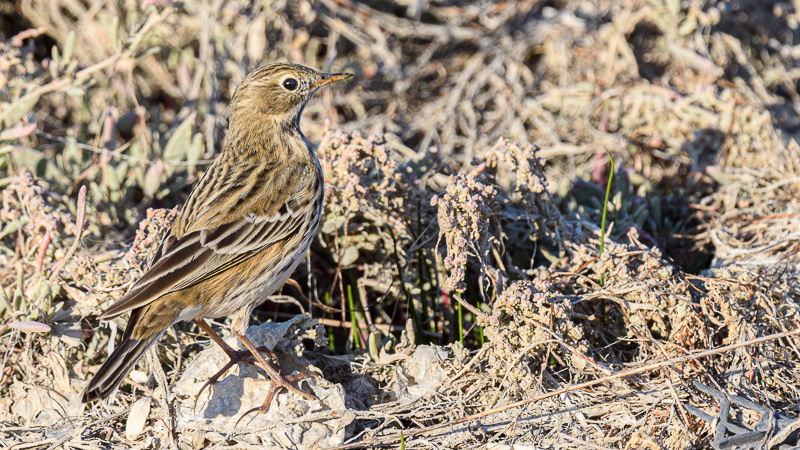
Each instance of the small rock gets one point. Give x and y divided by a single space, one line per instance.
245 387
420 374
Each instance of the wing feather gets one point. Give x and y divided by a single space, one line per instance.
221 235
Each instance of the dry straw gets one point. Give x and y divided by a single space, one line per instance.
503 271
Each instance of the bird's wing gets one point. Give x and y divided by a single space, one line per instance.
221 226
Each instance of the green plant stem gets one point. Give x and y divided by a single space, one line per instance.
423 271
353 319
460 322
327 299
605 209
423 297
473 290
409 299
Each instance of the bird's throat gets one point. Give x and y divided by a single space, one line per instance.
278 140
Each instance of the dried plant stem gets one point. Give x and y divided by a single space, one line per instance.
80 430
625 373
466 304
79 224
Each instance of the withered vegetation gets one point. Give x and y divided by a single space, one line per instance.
466 170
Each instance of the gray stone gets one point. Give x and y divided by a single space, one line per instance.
291 421
420 374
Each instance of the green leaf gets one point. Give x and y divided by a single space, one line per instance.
19 108
135 42
55 56
115 33
152 179
135 150
329 226
72 154
179 143
69 47
122 172
149 51
195 152
17 131
11 227
111 180
674 7
96 191
53 69
35 162
350 256
75 91
373 343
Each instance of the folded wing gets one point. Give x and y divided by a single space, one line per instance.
222 231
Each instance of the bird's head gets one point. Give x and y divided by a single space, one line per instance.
278 92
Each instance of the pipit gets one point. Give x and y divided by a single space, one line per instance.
245 227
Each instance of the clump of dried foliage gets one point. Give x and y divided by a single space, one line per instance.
466 170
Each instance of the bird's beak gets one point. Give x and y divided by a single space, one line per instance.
328 78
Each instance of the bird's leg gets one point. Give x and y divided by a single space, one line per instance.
277 381
241 355
236 356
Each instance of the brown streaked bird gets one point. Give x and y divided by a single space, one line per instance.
244 229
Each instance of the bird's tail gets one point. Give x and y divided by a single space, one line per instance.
122 359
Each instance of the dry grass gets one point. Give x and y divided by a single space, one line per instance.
465 170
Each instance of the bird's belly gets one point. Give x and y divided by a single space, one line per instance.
256 291
243 291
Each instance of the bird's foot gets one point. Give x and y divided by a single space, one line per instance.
278 382
236 356
255 356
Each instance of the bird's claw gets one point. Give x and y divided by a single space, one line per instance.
287 382
236 356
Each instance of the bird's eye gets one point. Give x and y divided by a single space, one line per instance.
290 84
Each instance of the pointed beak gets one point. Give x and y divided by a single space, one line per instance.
328 78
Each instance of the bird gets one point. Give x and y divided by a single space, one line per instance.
246 225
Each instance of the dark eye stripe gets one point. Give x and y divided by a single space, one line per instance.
290 84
